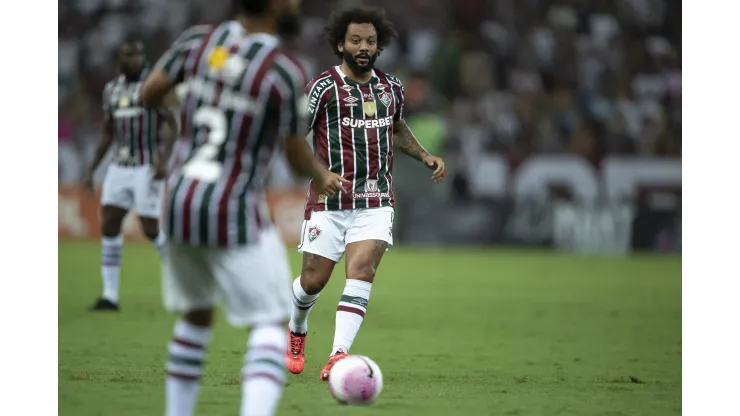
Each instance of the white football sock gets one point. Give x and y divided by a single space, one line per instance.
187 352
160 243
350 313
264 371
111 248
302 304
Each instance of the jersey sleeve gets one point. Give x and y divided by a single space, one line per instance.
172 62
106 104
289 82
315 99
398 94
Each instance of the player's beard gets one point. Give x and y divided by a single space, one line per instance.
288 25
354 66
131 74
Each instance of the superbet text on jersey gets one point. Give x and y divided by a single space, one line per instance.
352 126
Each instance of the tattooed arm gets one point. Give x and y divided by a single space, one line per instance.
405 141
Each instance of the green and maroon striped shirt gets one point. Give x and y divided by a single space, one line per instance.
135 126
352 126
241 97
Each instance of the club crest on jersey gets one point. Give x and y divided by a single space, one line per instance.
371 185
321 199
385 98
313 233
369 108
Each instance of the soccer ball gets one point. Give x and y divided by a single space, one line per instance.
355 380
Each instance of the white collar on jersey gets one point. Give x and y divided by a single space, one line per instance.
340 72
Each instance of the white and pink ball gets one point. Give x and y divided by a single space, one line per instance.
356 381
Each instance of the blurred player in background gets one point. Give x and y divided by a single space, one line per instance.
243 98
356 115
143 140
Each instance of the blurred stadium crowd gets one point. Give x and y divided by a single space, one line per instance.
516 77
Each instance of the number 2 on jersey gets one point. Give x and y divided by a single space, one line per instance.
202 165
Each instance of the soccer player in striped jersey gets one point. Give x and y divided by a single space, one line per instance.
242 99
141 137
356 115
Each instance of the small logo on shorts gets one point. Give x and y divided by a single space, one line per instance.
313 233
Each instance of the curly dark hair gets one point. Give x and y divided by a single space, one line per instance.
252 7
335 30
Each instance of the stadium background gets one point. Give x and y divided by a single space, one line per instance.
494 87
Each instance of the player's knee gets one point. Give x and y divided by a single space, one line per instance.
362 269
200 317
151 233
111 226
313 281
315 273
150 228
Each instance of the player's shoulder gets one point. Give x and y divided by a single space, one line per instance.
289 67
318 84
111 84
394 80
194 33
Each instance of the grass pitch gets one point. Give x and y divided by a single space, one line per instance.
455 331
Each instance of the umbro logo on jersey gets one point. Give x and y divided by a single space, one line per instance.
350 101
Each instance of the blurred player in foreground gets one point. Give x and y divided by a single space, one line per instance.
134 179
356 114
243 98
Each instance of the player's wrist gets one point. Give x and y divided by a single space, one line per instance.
319 171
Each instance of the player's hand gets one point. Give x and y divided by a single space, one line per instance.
330 183
88 184
438 165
